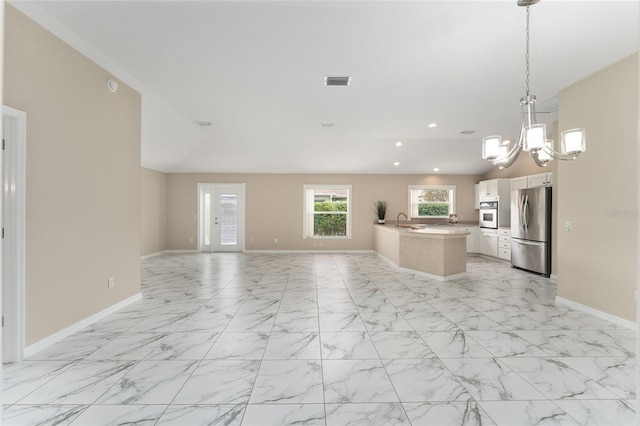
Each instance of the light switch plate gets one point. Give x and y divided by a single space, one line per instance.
568 225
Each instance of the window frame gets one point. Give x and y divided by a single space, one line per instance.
413 201
308 212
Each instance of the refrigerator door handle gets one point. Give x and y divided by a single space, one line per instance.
520 212
526 243
525 213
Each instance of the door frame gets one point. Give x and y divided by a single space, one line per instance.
13 253
241 212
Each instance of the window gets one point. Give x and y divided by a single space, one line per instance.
327 211
432 201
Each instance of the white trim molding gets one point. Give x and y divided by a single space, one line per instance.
309 251
13 219
160 253
432 276
63 334
595 312
150 255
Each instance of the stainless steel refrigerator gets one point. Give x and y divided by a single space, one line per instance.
531 230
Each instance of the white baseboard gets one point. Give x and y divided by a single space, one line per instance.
148 256
595 312
308 251
62 334
432 276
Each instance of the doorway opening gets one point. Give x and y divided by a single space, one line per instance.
13 217
221 216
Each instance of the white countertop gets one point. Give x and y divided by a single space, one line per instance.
429 231
444 230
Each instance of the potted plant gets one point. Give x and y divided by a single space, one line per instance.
380 207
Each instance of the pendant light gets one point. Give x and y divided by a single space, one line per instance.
533 136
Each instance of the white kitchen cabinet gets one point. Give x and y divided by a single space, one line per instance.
488 187
532 181
542 179
504 244
472 238
493 187
519 183
504 254
488 242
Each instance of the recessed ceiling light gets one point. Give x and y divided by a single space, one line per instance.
327 124
337 81
397 163
432 124
398 143
436 169
203 123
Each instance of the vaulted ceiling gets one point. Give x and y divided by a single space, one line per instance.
255 70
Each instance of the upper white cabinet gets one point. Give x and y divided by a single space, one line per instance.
542 179
493 187
488 187
519 183
532 181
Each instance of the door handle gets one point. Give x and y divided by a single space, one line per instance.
521 212
526 243
526 212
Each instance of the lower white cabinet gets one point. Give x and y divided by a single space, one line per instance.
504 244
488 242
472 238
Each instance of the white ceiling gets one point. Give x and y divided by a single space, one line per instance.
255 69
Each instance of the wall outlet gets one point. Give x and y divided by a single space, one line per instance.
112 282
568 225
190 240
275 241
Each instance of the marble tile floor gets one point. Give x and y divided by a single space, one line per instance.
330 339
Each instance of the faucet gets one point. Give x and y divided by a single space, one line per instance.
398 219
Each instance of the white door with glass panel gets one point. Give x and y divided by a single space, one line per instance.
220 217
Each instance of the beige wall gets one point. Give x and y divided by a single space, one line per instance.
524 166
274 206
599 192
153 235
83 179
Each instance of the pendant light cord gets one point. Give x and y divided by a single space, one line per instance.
526 57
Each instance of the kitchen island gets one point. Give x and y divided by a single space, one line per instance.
438 252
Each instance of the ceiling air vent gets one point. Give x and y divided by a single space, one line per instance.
467 132
337 81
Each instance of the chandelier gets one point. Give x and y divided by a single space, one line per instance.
533 136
